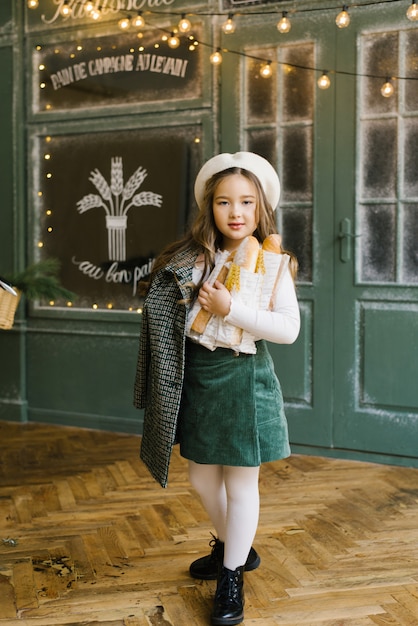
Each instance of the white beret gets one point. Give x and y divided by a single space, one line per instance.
254 163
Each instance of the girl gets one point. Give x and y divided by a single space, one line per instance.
224 407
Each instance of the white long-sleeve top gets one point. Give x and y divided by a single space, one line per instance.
279 325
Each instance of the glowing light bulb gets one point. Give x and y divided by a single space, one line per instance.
173 41
324 81
216 57
343 19
124 23
95 14
33 4
229 26
284 25
138 21
412 12
265 70
184 24
65 9
387 89
88 7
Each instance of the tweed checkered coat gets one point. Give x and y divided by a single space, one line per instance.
160 369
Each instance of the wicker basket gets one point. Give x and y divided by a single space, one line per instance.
8 306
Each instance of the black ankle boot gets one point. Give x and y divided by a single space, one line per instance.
229 597
207 567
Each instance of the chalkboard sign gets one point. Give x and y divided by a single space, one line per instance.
109 202
117 69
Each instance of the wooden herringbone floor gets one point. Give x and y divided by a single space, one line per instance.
88 538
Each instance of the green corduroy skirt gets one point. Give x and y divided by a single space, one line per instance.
232 409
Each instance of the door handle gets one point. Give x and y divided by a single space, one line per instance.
345 236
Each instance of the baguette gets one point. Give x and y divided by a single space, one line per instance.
273 243
247 254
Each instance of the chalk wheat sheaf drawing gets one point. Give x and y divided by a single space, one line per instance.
116 199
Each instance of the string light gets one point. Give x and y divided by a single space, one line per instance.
412 12
216 57
138 21
387 89
193 43
124 23
65 9
95 14
324 81
343 19
173 41
265 70
229 26
284 24
184 24
33 4
88 7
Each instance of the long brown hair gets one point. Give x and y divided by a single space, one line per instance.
203 235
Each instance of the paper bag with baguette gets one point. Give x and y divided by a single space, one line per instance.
252 276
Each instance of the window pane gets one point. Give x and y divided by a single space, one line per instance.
378 243
261 92
298 84
379 174
411 66
380 58
410 156
263 142
297 164
297 238
410 231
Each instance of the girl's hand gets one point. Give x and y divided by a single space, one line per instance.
215 299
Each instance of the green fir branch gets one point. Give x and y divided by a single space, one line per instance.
40 280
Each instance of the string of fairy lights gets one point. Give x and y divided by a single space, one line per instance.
94 10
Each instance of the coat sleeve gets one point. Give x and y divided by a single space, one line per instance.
142 368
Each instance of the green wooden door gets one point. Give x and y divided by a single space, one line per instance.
349 379
376 252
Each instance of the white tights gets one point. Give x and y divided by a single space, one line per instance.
231 498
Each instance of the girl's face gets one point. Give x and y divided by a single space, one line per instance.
235 209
